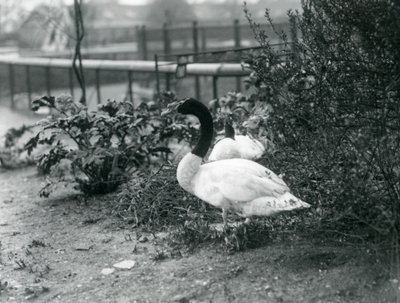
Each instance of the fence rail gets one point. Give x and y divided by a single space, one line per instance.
141 42
130 67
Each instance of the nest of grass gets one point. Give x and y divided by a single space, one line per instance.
156 201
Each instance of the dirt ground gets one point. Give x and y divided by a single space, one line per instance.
54 250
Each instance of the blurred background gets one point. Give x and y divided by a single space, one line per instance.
32 32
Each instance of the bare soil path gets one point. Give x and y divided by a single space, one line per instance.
54 250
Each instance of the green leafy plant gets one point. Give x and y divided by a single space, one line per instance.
98 151
334 116
249 114
12 152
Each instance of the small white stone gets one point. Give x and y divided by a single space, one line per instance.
126 264
107 271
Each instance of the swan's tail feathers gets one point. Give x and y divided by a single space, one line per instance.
267 206
293 202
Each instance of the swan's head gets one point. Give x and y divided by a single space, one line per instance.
229 130
189 106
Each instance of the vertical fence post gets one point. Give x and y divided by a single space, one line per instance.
98 86
237 38
86 40
195 35
203 37
215 87
166 40
167 51
130 90
138 43
28 84
48 81
144 42
167 82
157 75
11 82
71 82
236 33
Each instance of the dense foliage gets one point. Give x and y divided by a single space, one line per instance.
12 153
335 109
100 150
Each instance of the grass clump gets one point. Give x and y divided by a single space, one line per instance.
155 201
196 230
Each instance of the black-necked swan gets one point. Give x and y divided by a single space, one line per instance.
239 185
236 146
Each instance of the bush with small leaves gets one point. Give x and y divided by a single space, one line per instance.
335 121
99 150
12 152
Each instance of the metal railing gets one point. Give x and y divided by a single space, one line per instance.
141 42
129 67
187 63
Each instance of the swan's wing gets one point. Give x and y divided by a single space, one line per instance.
251 167
236 180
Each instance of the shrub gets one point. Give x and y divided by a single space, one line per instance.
334 115
100 150
12 152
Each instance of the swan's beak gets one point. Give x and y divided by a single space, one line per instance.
171 107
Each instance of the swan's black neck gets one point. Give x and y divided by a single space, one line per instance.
206 132
229 131
199 110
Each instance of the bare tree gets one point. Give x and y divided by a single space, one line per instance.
77 61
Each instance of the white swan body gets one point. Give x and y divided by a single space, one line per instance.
236 146
239 185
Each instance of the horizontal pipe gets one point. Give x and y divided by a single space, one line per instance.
166 67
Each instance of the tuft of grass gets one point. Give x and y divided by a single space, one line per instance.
21 264
237 237
37 243
247 236
156 201
196 230
160 255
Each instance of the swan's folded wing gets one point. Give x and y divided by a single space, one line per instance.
246 187
239 180
249 167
